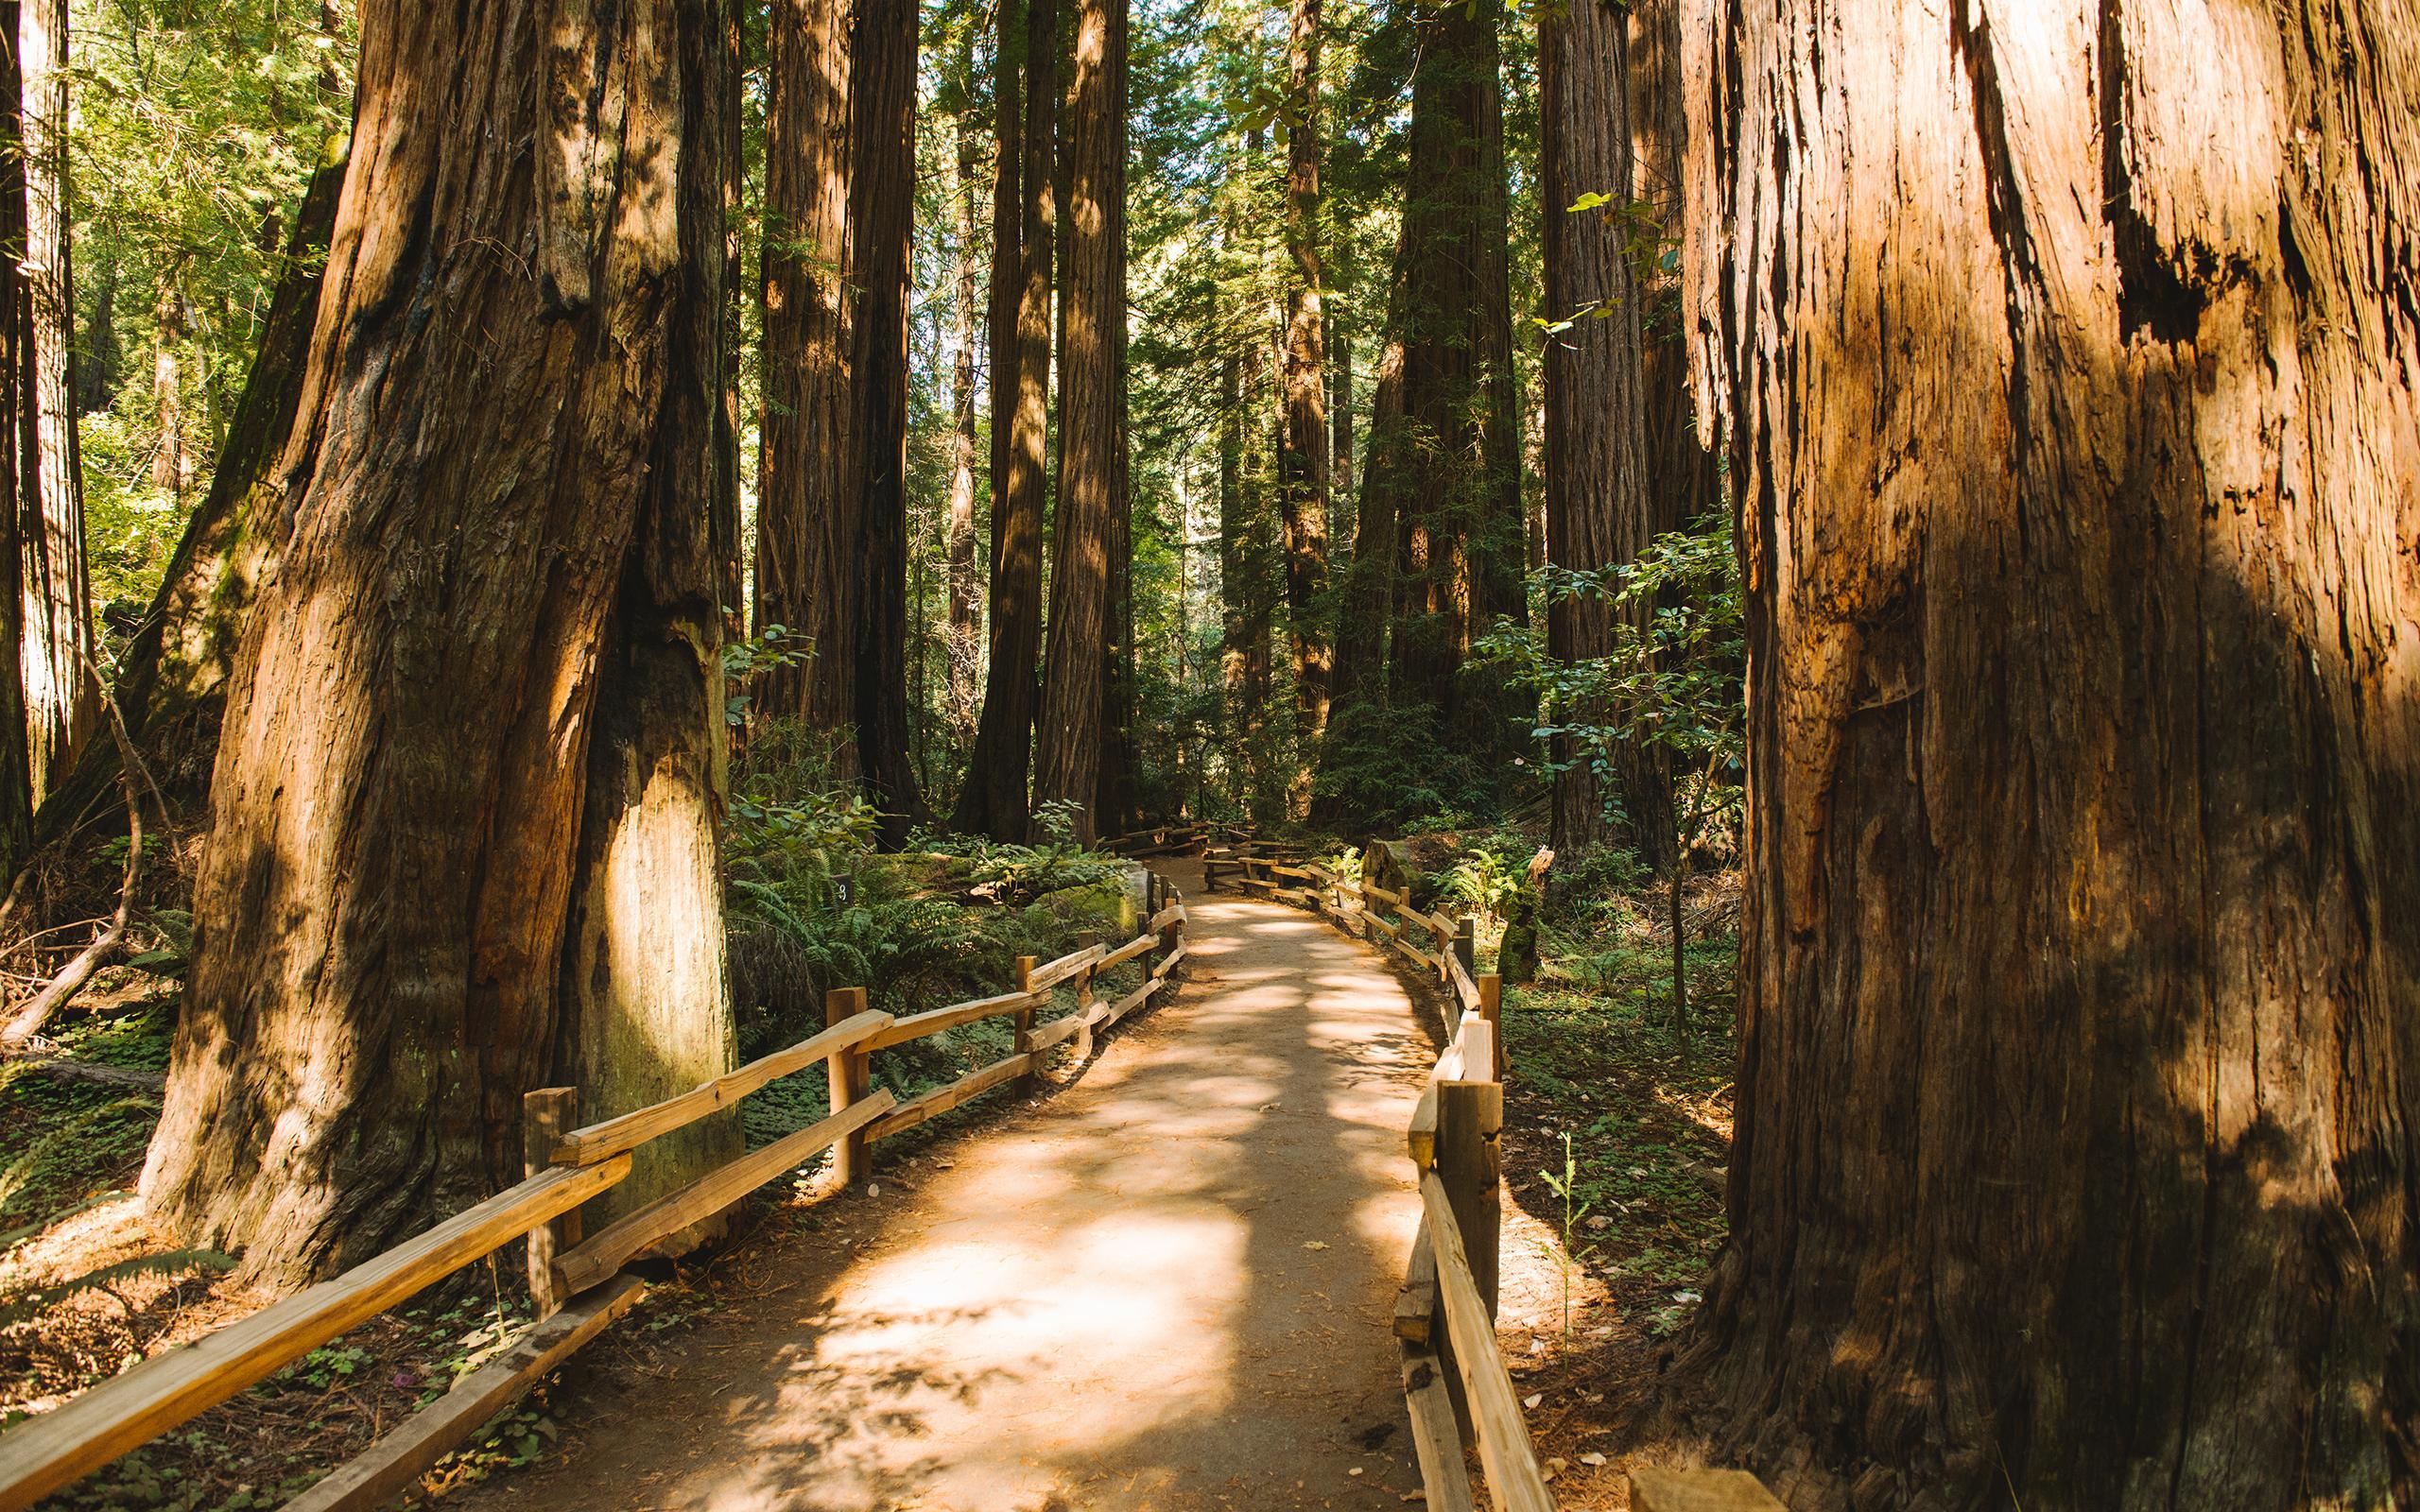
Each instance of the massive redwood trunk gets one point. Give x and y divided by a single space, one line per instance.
1303 457
808 575
993 800
61 696
1457 497
1598 511
1091 434
2070 355
462 818
882 122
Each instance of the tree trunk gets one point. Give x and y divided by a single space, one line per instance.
168 390
644 1012
16 777
482 668
964 650
1681 472
1596 493
2068 358
809 574
1368 587
1457 499
55 653
1091 437
882 88
1339 411
1302 460
173 676
994 800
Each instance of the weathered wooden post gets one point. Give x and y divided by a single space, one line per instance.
1084 1000
1029 1080
545 1114
852 1077
1467 942
1490 1006
1470 1118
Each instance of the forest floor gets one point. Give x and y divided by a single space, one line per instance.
1186 1229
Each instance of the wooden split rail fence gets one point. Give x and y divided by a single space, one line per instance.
577 1279
1456 1389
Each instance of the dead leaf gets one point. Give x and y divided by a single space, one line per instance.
1554 1466
1315 1243
1534 1399
1591 1457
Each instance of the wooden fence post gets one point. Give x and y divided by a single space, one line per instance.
1026 1083
1084 940
545 1114
851 1073
1470 1116
1467 942
1490 1007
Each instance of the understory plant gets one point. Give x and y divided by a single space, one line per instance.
1672 687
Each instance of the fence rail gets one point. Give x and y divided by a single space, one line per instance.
1458 1391
577 1284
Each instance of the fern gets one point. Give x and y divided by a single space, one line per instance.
23 1305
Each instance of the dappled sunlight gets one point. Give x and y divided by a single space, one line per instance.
1166 1286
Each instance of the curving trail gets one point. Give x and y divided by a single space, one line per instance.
1167 1287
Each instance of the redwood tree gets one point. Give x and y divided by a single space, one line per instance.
1303 457
1597 490
994 798
882 124
1091 429
1456 495
2068 353
462 823
59 691
808 575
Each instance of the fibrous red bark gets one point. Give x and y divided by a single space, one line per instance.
465 790
2068 355
1091 439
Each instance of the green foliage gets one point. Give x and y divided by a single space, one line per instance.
1672 683
197 125
1490 875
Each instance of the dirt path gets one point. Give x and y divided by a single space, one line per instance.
1167 1287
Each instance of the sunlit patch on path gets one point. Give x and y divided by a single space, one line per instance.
1168 1287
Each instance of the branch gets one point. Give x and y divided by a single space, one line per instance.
63 987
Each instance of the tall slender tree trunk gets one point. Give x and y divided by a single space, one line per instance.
2071 383
1680 469
1090 435
1598 511
993 800
1457 500
1339 411
1302 460
1234 604
16 776
168 467
809 574
964 650
59 694
486 667
882 88
1368 587
730 540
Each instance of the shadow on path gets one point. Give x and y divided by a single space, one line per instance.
1169 1288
